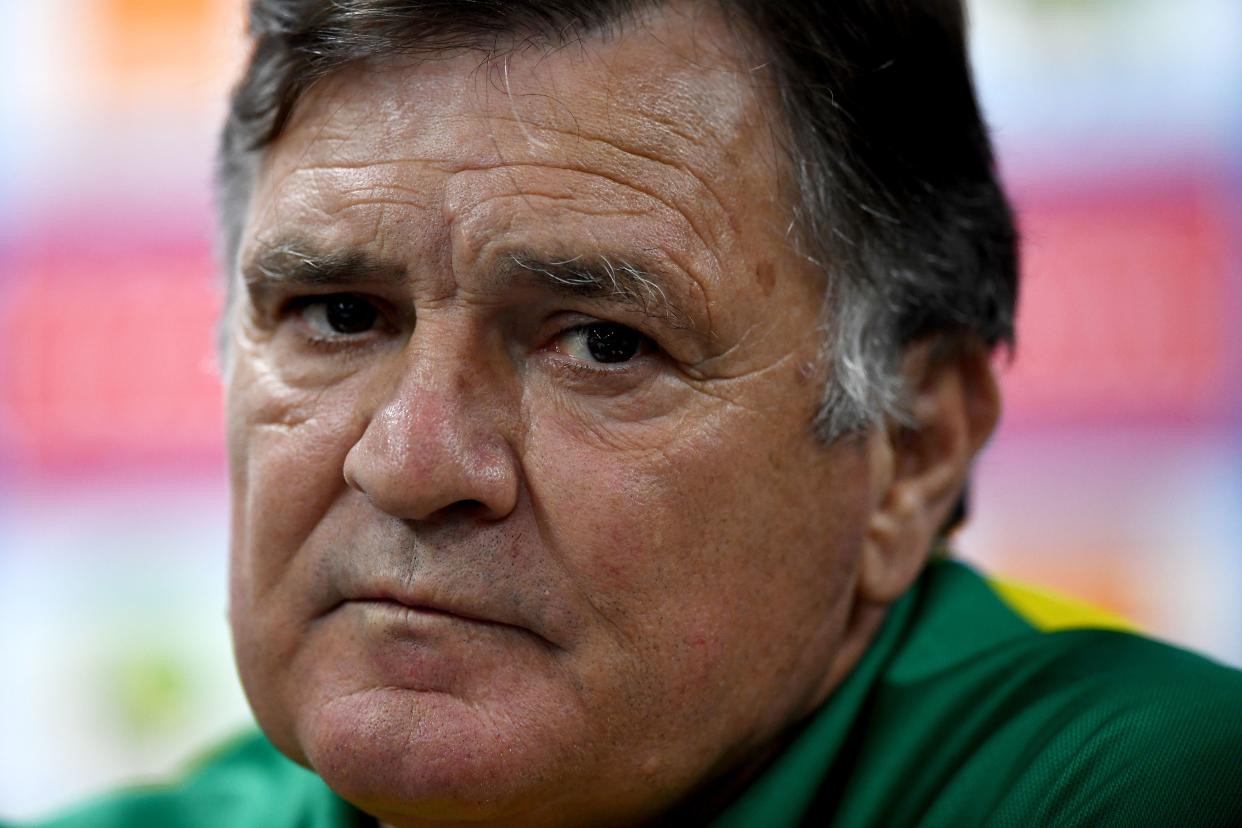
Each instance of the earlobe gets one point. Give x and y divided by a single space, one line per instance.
919 469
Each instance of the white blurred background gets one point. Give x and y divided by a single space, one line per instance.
1116 475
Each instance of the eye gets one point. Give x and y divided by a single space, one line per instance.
338 314
603 342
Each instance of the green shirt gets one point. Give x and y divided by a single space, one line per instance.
962 712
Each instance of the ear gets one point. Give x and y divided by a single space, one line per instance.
919 469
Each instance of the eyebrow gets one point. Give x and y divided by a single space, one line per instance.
601 277
297 263
597 277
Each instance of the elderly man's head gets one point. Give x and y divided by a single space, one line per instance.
598 373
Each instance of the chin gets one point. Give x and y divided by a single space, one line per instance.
407 756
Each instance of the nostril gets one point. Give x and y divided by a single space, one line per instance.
466 509
459 515
471 507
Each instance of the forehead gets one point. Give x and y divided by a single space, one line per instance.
675 79
675 88
654 142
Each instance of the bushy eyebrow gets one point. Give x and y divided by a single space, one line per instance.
601 277
597 277
298 263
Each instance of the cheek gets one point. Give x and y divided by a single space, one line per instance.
603 508
286 458
715 557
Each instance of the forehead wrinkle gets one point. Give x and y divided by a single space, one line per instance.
333 204
644 253
316 114
655 111
571 203
336 189
572 165
438 164
701 225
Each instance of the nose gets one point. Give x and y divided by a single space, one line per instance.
434 447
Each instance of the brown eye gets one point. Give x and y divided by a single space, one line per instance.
602 342
612 343
342 314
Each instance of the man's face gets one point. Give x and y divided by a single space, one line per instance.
506 544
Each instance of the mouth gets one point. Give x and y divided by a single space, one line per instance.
417 610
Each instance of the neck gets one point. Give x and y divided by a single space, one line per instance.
721 791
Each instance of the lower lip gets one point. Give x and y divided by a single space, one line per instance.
412 647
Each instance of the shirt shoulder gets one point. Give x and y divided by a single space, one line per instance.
245 783
986 717
1134 733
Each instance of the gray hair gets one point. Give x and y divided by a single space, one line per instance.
898 203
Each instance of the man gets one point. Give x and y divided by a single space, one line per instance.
601 377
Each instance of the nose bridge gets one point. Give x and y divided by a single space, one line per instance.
437 436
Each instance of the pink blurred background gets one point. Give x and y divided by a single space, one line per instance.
1116 475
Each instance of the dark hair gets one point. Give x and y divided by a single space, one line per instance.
898 200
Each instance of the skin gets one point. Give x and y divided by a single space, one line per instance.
478 577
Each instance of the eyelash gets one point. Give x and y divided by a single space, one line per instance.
578 370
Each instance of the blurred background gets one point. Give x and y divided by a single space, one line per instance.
1116 475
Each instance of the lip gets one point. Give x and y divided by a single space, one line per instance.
423 606
423 602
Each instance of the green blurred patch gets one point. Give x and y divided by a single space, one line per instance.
148 693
